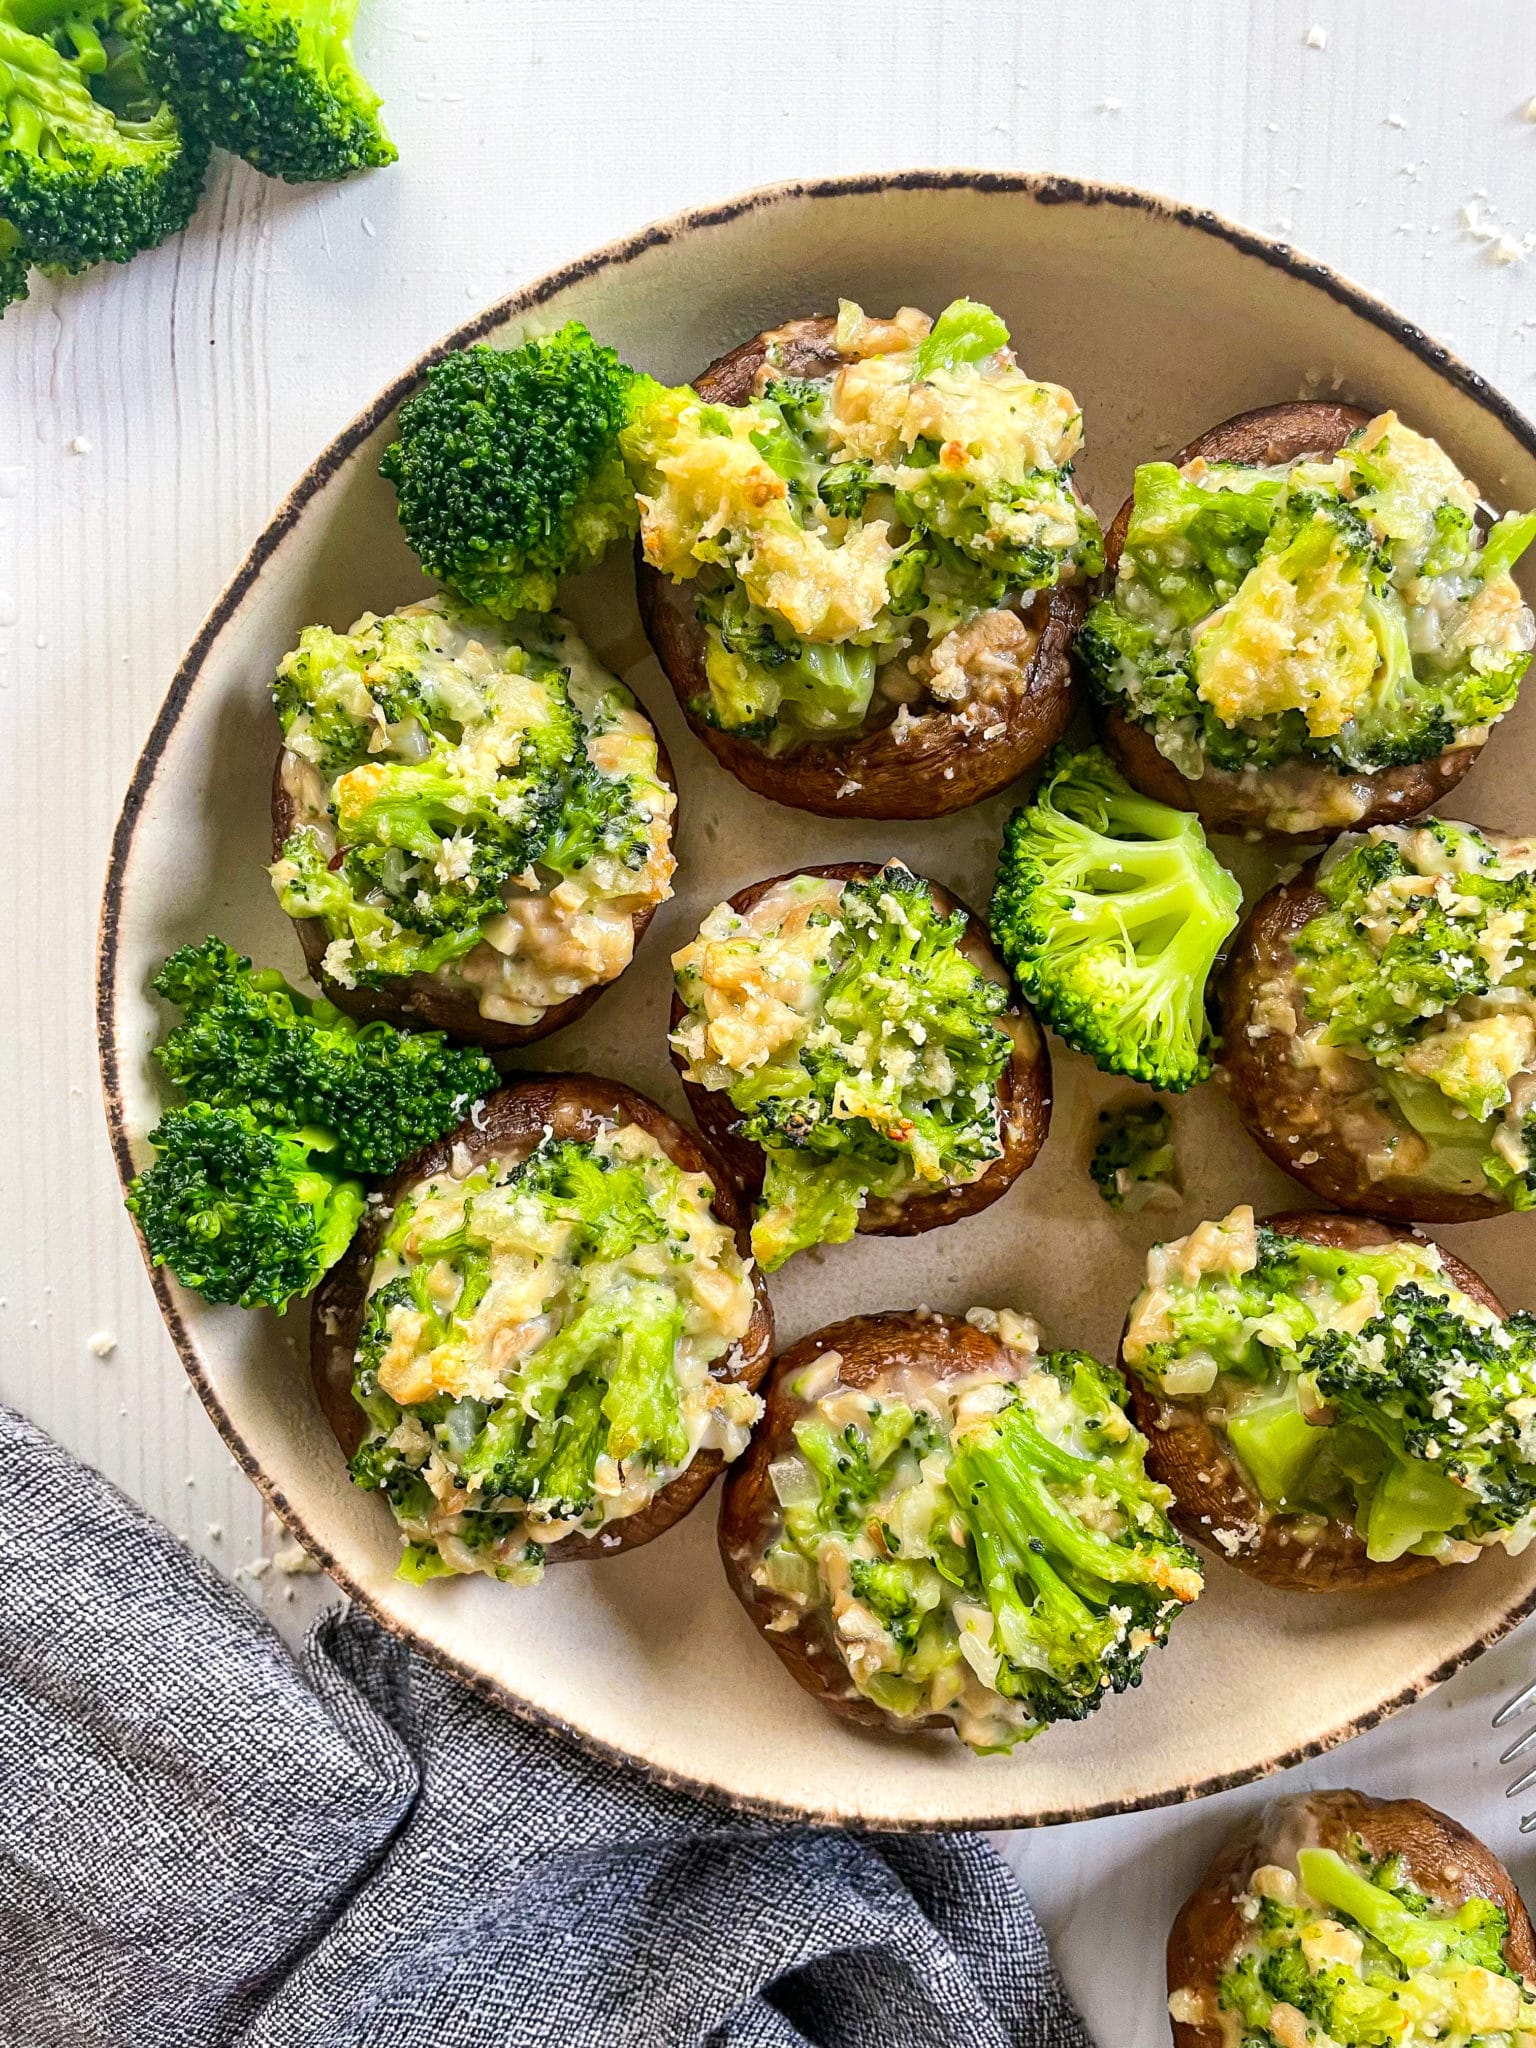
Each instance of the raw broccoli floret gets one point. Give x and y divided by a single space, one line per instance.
15 266
1075 1608
273 81
94 166
248 1038
1134 1165
507 466
1111 910
241 1211
895 1085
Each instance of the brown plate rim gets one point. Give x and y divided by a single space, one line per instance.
1041 189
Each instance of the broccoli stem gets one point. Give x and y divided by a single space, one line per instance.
641 1401
1417 1940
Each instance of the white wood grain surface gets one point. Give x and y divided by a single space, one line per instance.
150 418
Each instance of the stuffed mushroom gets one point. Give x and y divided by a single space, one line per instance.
863 558
941 1526
1334 1402
472 820
1310 624
846 1037
1379 1023
1330 1916
545 1341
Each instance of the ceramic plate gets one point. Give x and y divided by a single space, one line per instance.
1162 321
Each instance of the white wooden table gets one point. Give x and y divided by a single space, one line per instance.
150 418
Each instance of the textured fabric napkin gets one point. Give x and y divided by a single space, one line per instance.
203 1841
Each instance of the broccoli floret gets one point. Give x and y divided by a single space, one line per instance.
249 1038
1389 953
93 166
1436 1401
624 1342
1075 1609
240 1211
273 81
610 1205
1471 1938
760 675
1134 1165
839 1121
1111 910
507 466
15 266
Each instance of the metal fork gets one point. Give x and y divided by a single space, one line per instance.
1517 1704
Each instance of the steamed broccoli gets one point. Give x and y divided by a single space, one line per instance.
250 1198
248 1038
14 266
1111 910
94 166
240 1210
273 81
1003 1568
892 1084
507 466
1404 1972
1134 1165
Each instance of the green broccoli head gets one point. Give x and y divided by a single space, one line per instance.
94 166
15 266
248 1038
1111 910
241 1211
1134 1164
507 467
273 81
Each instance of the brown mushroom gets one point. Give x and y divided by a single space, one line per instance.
902 1349
935 761
1443 1860
507 1126
1023 1087
1331 1139
1300 799
1214 1503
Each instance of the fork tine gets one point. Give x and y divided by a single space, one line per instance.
1516 1704
1528 1824
1522 1784
1520 1745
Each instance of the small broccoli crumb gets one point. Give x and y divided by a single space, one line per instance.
1134 1165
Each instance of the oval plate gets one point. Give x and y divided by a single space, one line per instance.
1162 320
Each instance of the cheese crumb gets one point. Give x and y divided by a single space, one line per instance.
1316 37
101 1343
293 1558
80 445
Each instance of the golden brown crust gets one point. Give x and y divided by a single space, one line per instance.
1210 1491
1285 1107
430 1002
510 1124
1228 800
1443 1859
1023 1089
943 764
918 1345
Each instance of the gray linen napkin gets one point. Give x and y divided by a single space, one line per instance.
202 1841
